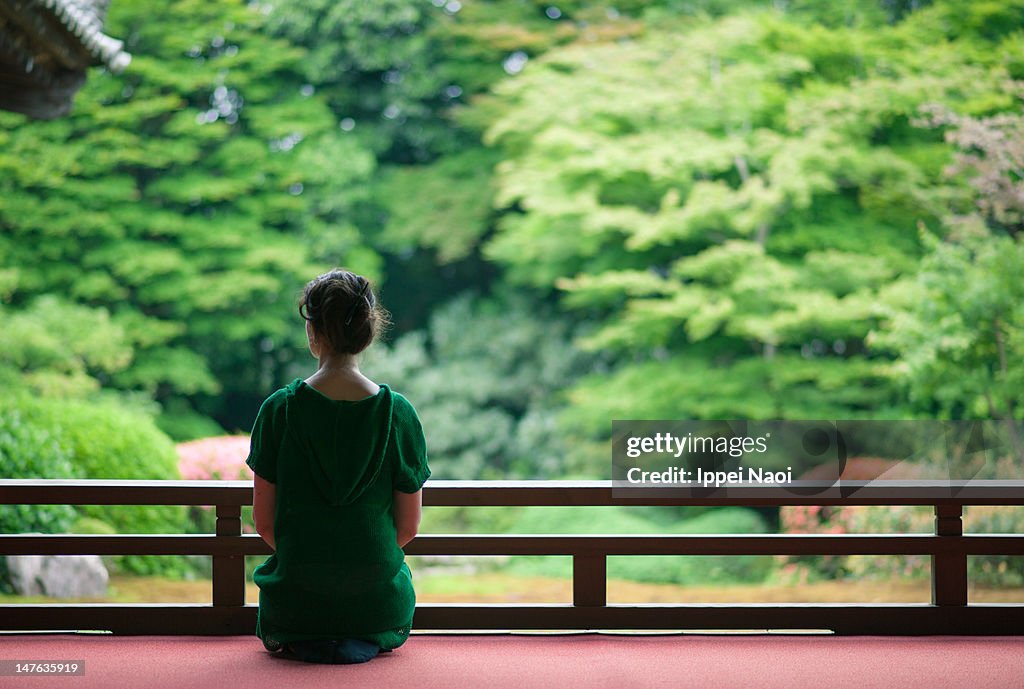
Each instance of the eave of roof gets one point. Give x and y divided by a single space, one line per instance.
46 46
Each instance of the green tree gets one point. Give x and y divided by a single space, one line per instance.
57 348
189 198
380 68
398 76
957 326
730 200
487 378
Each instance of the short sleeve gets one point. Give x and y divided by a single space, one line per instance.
263 442
410 456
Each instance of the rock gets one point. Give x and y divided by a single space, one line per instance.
58 576
24 573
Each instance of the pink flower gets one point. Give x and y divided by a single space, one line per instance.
220 457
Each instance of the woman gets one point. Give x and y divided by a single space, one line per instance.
339 463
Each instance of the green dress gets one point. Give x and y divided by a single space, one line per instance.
338 571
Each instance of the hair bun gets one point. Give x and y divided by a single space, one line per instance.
332 303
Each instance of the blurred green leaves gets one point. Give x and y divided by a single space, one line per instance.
701 207
173 206
487 378
59 348
731 201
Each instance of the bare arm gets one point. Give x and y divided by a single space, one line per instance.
264 504
408 508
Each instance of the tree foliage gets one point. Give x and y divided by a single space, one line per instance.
487 378
702 208
957 326
184 202
731 201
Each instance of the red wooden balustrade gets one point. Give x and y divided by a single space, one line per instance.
948 613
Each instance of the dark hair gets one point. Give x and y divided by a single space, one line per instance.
343 310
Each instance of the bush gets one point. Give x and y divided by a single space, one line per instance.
105 439
995 570
669 569
28 451
181 423
986 570
220 457
88 525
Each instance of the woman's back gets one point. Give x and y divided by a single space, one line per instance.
338 570
339 462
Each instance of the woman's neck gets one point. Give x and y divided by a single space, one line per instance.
339 363
339 377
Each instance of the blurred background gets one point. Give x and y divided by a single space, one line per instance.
575 212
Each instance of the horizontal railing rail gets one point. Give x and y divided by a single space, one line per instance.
948 547
531 493
537 544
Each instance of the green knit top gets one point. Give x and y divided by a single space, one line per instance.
338 571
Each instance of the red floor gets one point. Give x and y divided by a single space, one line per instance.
523 662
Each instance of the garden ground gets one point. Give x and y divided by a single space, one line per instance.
494 587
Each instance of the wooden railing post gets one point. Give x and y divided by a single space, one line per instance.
229 570
949 570
589 580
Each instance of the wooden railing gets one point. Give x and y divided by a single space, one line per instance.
948 613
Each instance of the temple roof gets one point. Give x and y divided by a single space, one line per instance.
46 46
